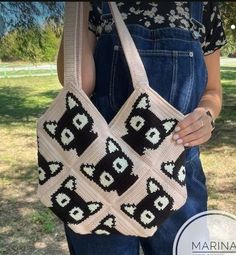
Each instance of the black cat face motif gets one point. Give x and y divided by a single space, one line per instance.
175 170
106 226
46 170
161 208
69 206
74 129
113 171
144 130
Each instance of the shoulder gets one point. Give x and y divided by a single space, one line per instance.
215 36
210 11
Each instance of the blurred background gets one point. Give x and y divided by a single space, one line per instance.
30 34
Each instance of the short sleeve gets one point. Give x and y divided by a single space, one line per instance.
94 19
214 32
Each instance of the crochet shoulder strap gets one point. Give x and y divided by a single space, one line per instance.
73 32
73 24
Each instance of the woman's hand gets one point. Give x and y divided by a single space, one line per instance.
194 129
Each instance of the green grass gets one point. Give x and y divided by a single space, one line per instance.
219 154
26 226
24 100
12 74
45 219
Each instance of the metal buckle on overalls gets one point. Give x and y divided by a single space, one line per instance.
196 28
107 17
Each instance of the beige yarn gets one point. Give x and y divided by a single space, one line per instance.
59 162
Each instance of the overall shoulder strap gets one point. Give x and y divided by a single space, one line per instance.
196 10
196 14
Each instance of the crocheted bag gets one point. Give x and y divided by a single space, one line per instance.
126 176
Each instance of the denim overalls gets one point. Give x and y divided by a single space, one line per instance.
176 69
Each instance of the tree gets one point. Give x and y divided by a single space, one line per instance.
34 44
31 30
227 11
29 14
50 41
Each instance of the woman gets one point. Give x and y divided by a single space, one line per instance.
179 43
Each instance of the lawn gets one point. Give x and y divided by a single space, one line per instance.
219 154
26 226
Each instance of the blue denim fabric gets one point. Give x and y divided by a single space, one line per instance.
176 69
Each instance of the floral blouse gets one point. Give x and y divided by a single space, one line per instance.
163 14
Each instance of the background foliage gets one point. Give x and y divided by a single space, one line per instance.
31 31
228 11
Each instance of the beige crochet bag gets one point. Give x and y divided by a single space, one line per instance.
124 177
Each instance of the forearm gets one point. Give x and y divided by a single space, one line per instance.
212 101
60 62
212 97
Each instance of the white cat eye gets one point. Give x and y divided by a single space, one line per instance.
76 213
161 203
106 179
153 135
120 164
182 174
80 120
137 122
62 199
66 136
147 217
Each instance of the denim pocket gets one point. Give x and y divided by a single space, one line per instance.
120 86
170 73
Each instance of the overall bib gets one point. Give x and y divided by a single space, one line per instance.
175 67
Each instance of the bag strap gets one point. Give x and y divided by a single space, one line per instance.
136 67
74 26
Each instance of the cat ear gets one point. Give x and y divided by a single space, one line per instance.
41 175
109 221
88 170
169 125
72 101
153 186
168 168
69 183
50 127
129 209
94 207
54 167
142 102
112 146
106 225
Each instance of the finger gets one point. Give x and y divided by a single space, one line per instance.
189 119
198 141
193 136
190 129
